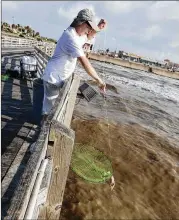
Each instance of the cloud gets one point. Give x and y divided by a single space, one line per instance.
123 6
151 32
9 6
163 10
141 33
70 12
145 28
159 55
174 44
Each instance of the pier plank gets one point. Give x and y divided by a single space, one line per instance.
62 151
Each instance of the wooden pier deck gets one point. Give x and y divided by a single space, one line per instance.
24 194
18 132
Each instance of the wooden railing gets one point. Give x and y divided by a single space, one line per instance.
42 59
34 197
15 42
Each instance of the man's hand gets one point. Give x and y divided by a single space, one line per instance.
91 71
101 85
102 24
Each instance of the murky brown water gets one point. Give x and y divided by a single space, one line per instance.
144 120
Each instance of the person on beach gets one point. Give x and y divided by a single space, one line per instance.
68 49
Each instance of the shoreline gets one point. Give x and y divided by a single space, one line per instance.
133 65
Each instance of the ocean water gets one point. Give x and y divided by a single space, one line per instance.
140 97
137 128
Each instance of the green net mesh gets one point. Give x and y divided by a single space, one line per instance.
4 77
91 164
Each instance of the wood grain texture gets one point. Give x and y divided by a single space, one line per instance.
19 202
17 163
63 147
71 101
17 121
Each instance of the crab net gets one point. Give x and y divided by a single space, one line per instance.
91 164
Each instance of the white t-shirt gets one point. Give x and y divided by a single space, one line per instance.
63 62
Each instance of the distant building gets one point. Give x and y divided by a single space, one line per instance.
145 60
102 52
153 62
134 57
171 66
166 60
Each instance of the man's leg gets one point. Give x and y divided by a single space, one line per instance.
51 93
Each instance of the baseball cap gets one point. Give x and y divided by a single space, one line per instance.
87 15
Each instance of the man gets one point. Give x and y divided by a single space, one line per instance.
62 64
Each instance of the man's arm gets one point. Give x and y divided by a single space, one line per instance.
91 71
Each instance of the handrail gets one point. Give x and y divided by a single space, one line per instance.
12 42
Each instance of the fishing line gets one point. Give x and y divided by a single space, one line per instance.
105 105
90 163
105 100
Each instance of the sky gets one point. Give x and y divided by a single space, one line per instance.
149 29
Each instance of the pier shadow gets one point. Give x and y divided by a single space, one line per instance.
16 116
10 191
17 121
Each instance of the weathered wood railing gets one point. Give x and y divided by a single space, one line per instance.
17 42
42 59
34 198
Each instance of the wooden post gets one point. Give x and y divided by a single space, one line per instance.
71 101
63 147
